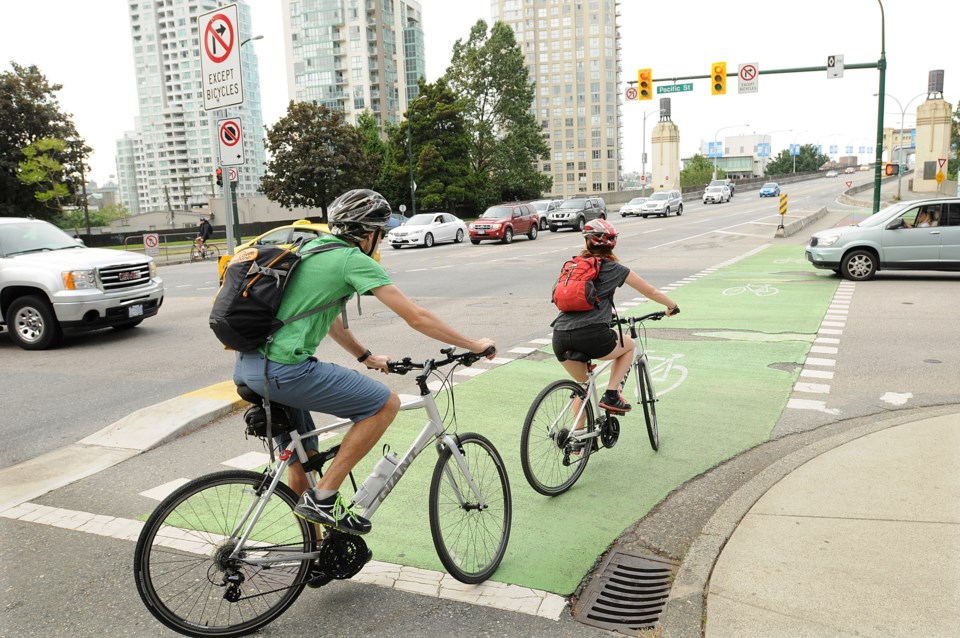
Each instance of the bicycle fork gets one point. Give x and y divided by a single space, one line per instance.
454 447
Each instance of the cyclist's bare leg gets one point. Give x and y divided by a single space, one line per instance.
359 440
577 370
622 356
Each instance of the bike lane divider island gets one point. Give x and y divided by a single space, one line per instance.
724 370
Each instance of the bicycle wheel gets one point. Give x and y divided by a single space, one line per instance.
549 459
182 563
648 399
470 541
194 253
211 253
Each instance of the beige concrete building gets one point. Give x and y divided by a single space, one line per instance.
572 52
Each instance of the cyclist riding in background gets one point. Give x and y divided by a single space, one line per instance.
204 232
297 379
589 331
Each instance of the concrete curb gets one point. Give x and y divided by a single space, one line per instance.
686 605
796 224
134 434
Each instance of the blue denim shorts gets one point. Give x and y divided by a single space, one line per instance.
312 386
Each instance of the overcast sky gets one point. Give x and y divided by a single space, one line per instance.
85 45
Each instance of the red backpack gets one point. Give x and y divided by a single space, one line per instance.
575 290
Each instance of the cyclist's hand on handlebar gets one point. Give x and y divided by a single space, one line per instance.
673 311
486 347
378 362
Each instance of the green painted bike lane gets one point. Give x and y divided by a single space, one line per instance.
724 369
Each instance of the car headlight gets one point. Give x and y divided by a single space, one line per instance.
79 279
827 240
153 269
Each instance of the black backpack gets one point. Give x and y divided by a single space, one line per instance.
244 314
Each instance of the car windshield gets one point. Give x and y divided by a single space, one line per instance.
718 182
421 219
884 216
769 185
33 237
496 212
541 205
657 196
637 200
714 189
575 204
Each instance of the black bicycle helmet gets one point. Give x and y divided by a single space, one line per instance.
355 213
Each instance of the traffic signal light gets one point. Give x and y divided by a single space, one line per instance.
892 169
219 177
718 84
645 84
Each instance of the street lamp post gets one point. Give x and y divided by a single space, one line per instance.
797 153
903 110
763 138
643 158
882 66
722 128
413 184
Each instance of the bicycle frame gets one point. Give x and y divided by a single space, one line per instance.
434 428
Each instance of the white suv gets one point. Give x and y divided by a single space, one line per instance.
50 283
663 203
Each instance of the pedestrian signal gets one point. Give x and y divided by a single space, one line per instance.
718 73
645 84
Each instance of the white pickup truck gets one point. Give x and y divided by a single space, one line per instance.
50 283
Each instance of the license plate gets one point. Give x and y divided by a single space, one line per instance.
135 310
129 274
481 232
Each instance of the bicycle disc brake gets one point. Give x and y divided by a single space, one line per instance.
609 431
342 555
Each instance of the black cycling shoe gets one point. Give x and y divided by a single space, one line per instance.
612 401
331 512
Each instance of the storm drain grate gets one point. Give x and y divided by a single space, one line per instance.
629 594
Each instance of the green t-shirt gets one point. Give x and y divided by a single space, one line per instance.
318 280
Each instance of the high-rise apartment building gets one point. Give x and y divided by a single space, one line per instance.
572 51
167 162
354 55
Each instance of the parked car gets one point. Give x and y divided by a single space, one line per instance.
831 174
427 229
544 208
283 236
503 222
770 189
633 207
663 203
716 195
51 284
725 182
576 212
894 238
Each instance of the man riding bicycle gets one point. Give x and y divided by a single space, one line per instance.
297 379
589 331
204 232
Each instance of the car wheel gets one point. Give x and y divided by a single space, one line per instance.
643 216
680 210
859 265
603 215
428 240
580 224
459 238
553 229
534 229
32 324
507 235
543 224
395 246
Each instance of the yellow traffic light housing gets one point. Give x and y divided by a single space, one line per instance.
718 84
645 84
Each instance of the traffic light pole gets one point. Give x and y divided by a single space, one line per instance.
228 210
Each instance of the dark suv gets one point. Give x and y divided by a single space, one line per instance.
576 212
504 221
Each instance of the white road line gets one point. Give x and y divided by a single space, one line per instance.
813 361
809 404
816 374
815 388
163 491
824 349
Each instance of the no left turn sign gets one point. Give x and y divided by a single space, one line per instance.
631 93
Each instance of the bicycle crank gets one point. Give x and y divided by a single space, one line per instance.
341 556
609 431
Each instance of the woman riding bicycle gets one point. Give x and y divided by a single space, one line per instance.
589 331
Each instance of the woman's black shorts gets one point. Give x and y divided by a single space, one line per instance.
596 341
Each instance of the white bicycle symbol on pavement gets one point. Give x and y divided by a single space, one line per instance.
664 368
760 290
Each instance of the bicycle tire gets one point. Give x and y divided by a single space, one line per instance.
548 464
179 560
470 542
211 253
648 399
194 254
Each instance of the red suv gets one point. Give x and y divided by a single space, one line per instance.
504 221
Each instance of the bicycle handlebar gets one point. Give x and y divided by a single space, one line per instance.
406 364
653 316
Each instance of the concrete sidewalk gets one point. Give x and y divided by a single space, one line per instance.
862 540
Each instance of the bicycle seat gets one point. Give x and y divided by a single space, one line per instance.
249 395
256 416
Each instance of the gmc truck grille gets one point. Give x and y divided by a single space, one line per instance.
124 276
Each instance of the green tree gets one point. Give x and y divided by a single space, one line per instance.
29 111
807 161
42 171
489 74
315 157
953 163
435 136
698 172
77 220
